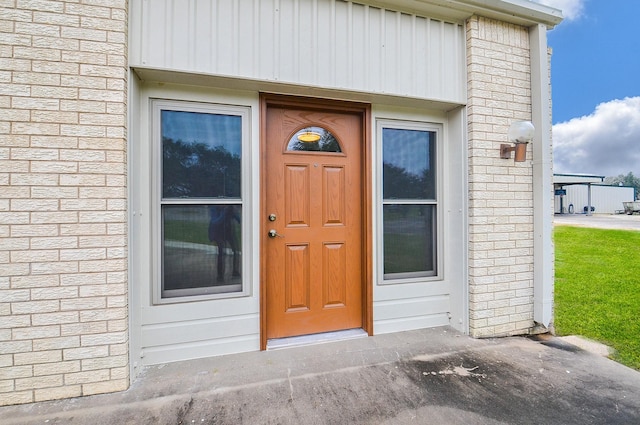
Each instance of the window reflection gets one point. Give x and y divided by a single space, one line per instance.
408 164
200 155
409 240
409 203
201 203
225 231
201 249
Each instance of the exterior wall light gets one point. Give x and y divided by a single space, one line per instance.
309 136
520 133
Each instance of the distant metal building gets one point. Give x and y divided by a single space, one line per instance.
574 193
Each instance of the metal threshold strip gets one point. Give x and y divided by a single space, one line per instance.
320 338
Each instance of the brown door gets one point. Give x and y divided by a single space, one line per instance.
313 261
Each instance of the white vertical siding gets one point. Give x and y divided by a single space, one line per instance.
324 43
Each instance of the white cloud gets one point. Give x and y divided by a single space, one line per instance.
571 9
607 142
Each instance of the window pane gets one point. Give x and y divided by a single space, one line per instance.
409 240
201 155
408 164
313 139
201 249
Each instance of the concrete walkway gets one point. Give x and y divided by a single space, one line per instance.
601 221
431 376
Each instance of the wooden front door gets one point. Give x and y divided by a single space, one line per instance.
313 228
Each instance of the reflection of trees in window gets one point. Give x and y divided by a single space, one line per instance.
409 239
327 142
400 184
409 203
199 170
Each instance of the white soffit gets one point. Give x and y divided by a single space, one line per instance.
520 12
161 76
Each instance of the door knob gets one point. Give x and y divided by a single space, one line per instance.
273 234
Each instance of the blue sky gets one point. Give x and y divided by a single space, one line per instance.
595 79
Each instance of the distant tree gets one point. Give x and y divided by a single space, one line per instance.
197 170
402 184
628 180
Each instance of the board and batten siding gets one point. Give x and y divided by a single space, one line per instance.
322 43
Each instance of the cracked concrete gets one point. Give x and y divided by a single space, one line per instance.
426 376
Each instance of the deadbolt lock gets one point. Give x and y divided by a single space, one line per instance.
272 217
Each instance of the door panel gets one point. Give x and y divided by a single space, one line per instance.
297 195
314 261
297 285
334 273
333 193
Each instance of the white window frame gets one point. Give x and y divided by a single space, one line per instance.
156 106
438 202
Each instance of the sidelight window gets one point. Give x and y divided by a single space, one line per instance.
200 205
409 200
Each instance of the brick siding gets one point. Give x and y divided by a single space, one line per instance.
63 241
500 190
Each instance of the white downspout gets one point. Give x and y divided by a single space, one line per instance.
543 254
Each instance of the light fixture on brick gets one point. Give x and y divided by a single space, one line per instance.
520 133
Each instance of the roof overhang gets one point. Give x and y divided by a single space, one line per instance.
246 84
566 179
520 12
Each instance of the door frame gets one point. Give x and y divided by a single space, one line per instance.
366 267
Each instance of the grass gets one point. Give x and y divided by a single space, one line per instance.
187 231
597 288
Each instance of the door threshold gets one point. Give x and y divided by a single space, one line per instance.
320 338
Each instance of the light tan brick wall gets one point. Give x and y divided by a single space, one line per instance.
63 242
500 190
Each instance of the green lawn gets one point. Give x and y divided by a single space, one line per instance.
597 288
187 231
